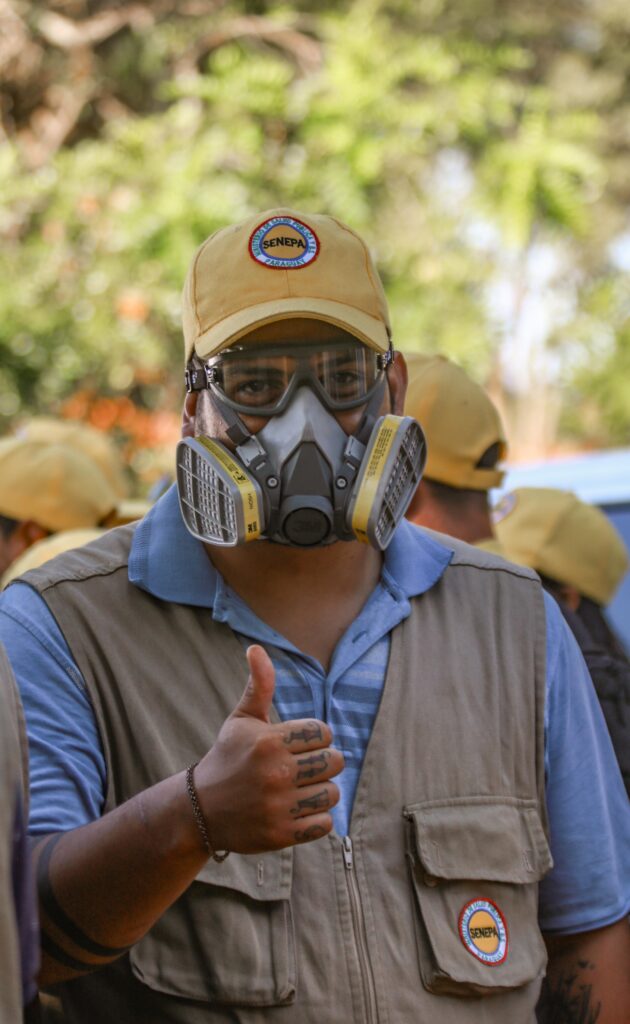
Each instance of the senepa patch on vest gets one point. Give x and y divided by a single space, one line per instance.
283 243
483 931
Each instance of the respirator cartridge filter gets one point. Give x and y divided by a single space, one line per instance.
389 474
221 502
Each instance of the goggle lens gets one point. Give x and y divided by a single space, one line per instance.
260 380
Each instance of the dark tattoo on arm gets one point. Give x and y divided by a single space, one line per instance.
318 802
312 832
567 998
311 731
57 915
314 764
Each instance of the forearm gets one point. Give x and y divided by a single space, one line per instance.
260 787
103 886
588 978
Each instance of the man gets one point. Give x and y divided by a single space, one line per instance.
581 560
249 886
46 488
466 444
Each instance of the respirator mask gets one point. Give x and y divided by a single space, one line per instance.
300 480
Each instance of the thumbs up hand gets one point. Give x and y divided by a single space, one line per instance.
263 785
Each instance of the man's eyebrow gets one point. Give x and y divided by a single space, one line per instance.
338 360
255 364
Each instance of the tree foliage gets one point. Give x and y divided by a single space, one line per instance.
463 140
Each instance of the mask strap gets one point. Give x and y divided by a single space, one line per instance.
370 415
236 429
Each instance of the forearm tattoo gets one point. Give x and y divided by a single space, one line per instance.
312 832
318 802
312 765
57 915
311 731
566 997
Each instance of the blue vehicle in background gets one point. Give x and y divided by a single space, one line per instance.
603 479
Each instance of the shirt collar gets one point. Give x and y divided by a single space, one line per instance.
169 563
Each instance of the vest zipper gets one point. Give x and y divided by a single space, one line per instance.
360 934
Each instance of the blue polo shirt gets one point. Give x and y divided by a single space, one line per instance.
589 886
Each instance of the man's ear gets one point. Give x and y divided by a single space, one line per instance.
188 414
25 534
571 597
397 381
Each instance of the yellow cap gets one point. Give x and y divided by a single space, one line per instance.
87 439
492 546
280 265
128 512
48 548
52 484
459 421
563 538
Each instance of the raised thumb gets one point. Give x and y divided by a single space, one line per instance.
258 696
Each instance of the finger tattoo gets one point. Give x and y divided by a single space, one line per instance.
314 764
311 731
312 832
318 802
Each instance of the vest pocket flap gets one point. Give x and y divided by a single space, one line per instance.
228 939
475 864
481 838
265 876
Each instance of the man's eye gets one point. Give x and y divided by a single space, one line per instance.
345 383
258 389
344 378
253 387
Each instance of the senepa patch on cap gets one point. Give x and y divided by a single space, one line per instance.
283 243
483 931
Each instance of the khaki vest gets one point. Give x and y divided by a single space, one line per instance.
449 810
13 788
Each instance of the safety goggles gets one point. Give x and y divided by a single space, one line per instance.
261 380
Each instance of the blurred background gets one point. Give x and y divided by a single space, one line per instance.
482 148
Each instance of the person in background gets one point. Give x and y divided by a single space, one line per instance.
465 445
581 560
290 755
84 438
45 488
19 932
100 450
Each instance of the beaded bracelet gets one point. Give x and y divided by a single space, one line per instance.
218 855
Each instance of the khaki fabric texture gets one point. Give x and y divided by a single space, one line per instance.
564 538
41 552
52 484
228 292
449 807
459 421
13 787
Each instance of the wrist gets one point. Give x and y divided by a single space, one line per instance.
199 817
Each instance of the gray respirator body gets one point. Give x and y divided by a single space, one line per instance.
301 480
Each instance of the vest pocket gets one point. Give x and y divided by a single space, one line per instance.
229 938
475 866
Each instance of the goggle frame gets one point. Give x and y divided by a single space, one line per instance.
205 377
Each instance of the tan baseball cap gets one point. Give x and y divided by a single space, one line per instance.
128 511
85 438
563 538
282 265
52 484
43 550
459 420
